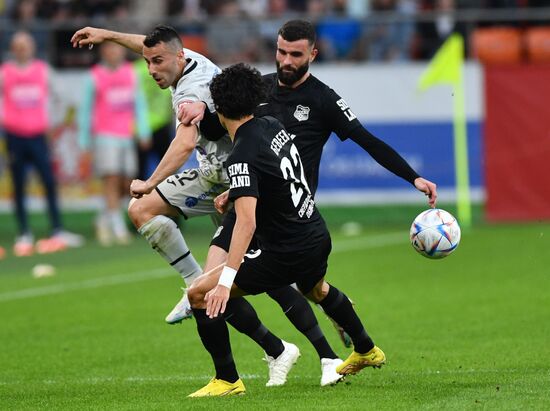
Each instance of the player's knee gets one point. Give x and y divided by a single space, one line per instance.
196 297
138 212
319 292
133 213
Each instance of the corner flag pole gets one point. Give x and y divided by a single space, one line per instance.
446 68
463 202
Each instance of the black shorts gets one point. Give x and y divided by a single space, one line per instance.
263 271
222 236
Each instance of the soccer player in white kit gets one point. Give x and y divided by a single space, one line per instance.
165 194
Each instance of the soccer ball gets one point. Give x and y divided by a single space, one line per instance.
435 233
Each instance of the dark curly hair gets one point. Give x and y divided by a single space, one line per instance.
163 34
294 30
237 91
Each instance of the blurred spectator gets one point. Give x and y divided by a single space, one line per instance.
254 8
188 9
316 9
26 85
278 13
28 11
24 11
159 115
298 6
390 40
113 104
358 8
432 34
230 37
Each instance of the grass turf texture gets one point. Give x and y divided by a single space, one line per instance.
467 332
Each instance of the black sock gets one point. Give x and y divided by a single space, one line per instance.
338 307
242 316
215 338
300 314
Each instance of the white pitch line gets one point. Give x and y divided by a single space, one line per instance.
351 244
137 379
87 284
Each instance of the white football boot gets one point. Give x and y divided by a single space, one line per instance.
182 310
329 376
280 367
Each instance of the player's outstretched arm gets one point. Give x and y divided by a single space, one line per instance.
177 154
390 159
428 188
88 36
384 155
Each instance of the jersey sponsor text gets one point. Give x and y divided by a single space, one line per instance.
238 168
280 140
345 108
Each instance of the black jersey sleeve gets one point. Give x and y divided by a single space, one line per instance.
385 155
342 120
243 177
210 126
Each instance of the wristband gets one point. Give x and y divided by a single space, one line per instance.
227 277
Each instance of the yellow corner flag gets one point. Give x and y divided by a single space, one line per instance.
446 65
446 68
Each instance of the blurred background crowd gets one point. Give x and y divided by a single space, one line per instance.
244 30
381 35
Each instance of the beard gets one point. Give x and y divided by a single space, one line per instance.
289 78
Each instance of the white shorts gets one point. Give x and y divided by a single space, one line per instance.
193 191
119 160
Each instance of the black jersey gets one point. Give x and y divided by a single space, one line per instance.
265 164
311 111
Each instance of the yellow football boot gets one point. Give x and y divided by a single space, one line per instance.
356 362
220 388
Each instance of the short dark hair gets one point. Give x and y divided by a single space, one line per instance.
294 30
237 91
162 34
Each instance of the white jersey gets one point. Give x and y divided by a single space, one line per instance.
194 86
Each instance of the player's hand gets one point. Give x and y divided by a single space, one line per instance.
88 36
221 202
189 114
139 188
216 300
428 188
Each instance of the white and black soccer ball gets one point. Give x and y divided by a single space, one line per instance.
435 233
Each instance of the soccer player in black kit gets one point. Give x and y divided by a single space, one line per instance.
273 202
311 111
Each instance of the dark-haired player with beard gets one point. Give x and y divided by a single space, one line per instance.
311 111
272 201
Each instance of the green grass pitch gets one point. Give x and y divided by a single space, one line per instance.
471 331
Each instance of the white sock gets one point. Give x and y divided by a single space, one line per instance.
165 237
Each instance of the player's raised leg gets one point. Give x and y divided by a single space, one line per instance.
338 306
150 214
